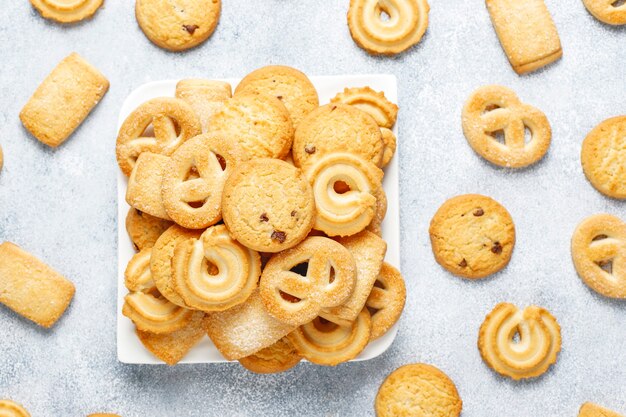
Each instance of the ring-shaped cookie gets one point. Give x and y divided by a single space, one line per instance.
66 11
371 102
9 408
386 301
607 11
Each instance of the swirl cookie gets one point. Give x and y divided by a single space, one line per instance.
326 343
9 408
137 276
159 126
344 188
144 185
493 110
66 11
337 128
260 123
610 12
386 301
389 146
472 236
418 390
298 283
603 157
206 97
268 205
599 254
144 229
177 25
535 350
214 272
594 410
287 84
374 103
279 357
194 177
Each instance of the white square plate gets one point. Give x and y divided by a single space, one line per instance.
129 348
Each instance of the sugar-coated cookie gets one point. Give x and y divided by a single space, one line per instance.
599 254
389 146
603 157
31 288
337 127
279 357
144 185
144 229
406 24
595 410
206 97
177 25
496 109
9 408
527 33
287 84
386 301
472 236
418 390
268 205
66 11
381 211
372 102
63 100
535 350
610 12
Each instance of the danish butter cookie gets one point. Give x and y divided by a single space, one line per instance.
206 97
337 127
418 390
374 103
177 25
1 159
527 33
599 254
493 109
66 11
9 408
386 301
472 236
144 229
381 211
260 123
594 410
63 100
144 185
275 358
268 205
137 276
103 415
389 146
31 288
603 157
608 11
155 314
535 350
406 24
287 84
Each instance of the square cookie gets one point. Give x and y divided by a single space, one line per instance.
144 185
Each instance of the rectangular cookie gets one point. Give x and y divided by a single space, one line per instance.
527 33
31 288
63 100
144 185
206 97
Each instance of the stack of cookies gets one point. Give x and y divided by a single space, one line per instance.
257 220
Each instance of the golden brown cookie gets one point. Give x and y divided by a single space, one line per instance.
66 11
63 100
9 408
177 25
337 128
603 157
519 343
298 283
389 146
472 236
381 211
495 110
144 229
260 123
137 276
287 84
268 205
31 288
386 301
599 254
194 177
372 102
594 410
206 97
155 314
159 126
144 185
1 159
103 415
279 357
326 343
610 12
404 26
418 390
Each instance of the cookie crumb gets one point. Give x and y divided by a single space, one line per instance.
279 236
190 28
496 248
264 217
479 212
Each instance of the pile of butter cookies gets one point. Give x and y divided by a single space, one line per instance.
257 220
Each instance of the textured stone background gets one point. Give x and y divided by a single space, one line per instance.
60 205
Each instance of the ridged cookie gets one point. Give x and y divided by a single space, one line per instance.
9 408
66 11
372 102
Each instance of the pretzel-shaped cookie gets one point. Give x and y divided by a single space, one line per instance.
214 272
194 180
386 301
295 298
407 23
173 122
599 254
537 348
495 108
344 186
9 408
326 343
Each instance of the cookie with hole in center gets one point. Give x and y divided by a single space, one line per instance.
472 236
386 301
268 205
610 12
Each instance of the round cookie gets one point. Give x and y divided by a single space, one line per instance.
66 11
386 301
390 144
472 236
12 409
144 229
603 157
287 84
259 122
374 103
177 25
607 11
418 390
278 357
337 127
268 205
